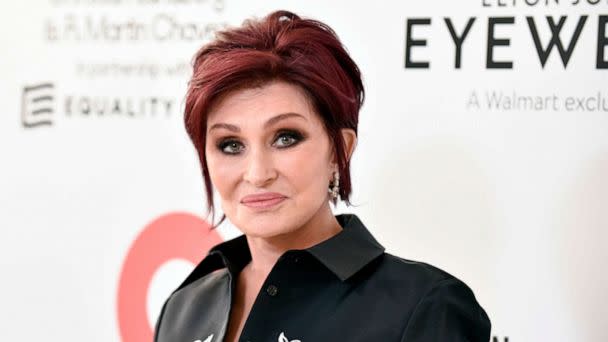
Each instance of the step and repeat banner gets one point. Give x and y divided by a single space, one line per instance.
483 149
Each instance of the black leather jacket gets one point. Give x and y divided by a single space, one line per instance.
343 289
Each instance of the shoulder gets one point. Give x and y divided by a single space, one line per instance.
438 306
420 279
417 276
215 282
181 312
409 267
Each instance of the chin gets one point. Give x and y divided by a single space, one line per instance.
266 224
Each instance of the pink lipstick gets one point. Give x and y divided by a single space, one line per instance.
264 200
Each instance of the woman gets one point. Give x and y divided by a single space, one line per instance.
272 109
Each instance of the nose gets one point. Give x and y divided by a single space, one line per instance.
260 170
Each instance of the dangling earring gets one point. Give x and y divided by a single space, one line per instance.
334 189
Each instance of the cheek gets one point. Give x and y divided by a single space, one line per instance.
223 173
305 169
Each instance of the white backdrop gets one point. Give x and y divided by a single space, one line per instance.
499 176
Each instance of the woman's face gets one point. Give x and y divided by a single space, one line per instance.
268 141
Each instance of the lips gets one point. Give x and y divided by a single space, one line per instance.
263 201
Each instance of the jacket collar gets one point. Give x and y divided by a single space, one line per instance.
348 251
344 254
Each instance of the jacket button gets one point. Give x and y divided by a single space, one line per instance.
272 290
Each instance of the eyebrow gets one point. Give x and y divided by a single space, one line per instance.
268 123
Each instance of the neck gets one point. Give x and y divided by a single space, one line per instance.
265 251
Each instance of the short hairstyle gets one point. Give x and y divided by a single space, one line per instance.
281 46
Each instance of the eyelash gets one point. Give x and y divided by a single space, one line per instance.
297 137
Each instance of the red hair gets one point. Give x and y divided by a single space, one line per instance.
281 46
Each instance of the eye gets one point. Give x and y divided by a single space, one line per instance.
230 146
288 138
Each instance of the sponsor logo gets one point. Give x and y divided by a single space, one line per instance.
169 237
548 35
37 105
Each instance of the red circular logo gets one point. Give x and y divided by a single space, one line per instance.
171 236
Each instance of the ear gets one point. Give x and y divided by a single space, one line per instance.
350 142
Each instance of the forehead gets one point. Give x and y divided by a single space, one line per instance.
256 105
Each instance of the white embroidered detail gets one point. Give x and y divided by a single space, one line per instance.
282 338
208 339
